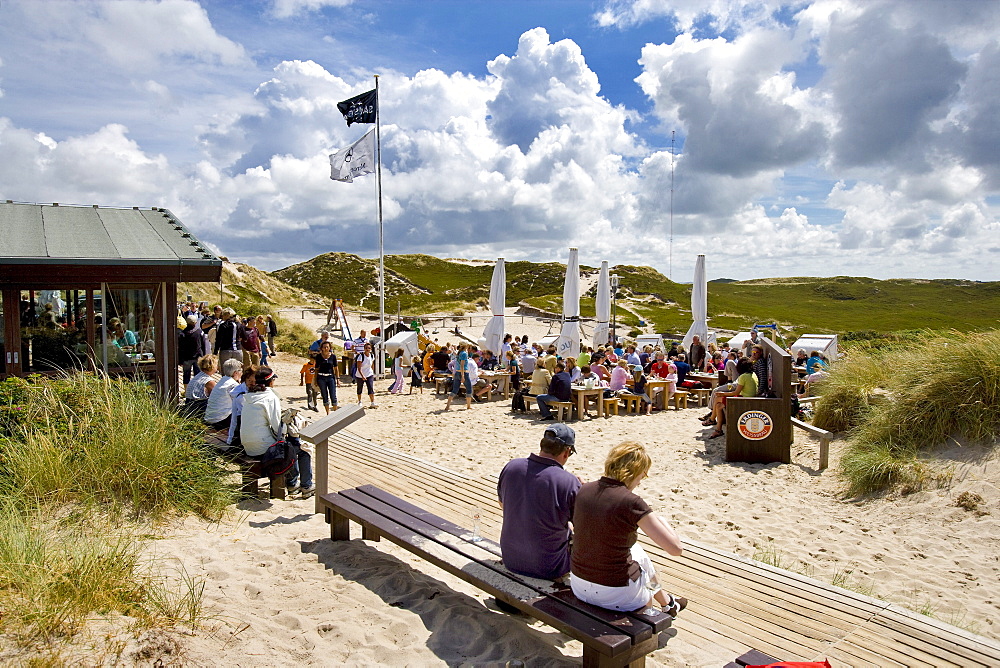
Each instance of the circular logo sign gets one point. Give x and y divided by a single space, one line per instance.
754 425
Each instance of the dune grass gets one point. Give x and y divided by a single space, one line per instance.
943 388
87 466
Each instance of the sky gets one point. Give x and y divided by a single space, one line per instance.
814 138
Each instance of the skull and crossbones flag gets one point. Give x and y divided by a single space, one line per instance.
360 108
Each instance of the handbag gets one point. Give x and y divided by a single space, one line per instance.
277 460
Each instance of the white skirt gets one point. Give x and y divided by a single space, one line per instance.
633 596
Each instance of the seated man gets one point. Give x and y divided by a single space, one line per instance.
528 360
480 386
488 362
559 390
537 496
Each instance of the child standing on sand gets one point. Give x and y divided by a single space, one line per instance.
307 377
416 374
397 370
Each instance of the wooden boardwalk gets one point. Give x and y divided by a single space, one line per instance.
736 604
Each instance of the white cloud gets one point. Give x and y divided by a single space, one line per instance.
529 158
288 8
719 15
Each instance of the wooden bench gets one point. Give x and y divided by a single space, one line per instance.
250 489
249 469
824 440
609 638
632 403
561 407
610 405
751 658
442 385
702 395
677 397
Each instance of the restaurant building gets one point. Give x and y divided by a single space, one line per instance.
95 288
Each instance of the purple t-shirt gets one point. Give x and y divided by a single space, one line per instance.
538 496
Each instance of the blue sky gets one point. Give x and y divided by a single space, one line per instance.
813 138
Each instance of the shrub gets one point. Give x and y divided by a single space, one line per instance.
948 386
293 337
85 464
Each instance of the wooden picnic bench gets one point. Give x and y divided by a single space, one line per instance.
609 638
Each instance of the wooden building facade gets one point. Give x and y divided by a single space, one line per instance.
95 288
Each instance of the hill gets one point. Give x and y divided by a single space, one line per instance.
243 285
422 284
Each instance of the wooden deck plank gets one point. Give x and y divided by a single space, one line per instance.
736 604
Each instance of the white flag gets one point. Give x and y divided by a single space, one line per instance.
356 160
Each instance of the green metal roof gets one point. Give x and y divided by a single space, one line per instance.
60 234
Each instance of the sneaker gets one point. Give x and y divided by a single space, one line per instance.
374 405
548 417
292 489
307 492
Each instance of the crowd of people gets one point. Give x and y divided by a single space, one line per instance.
232 389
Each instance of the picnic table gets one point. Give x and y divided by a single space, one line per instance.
711 378
580 395
501 378
652 384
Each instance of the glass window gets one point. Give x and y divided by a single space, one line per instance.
130 327
53 330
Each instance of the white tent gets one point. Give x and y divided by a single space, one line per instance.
494 331
568 344
699 307
602 331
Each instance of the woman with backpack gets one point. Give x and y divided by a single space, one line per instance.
260 420
364 373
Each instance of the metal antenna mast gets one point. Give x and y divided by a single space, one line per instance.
670 265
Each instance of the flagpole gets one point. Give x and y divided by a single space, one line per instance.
380 365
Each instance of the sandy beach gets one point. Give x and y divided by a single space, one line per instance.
275 587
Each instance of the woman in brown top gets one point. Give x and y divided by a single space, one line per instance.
609 567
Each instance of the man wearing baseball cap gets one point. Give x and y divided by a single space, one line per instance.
537 496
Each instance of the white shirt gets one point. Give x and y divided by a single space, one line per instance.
366 366
220 403
473 370
236 394
260 423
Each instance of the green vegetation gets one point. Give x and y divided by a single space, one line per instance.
860 309
900 403
86 466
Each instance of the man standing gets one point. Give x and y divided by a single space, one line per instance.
696 354
228 337
190 347
324 336
537 496
748 345
559 390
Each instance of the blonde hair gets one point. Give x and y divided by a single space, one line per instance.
627 462
208 362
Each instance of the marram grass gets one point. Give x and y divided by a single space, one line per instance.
86 464
944 388
94 440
